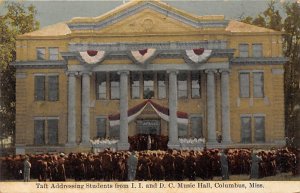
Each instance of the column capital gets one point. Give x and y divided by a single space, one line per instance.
170 71
123 72
224 70
209 71
71 73
85 73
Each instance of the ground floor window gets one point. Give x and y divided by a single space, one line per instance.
114 132
253 124
43 125
196 126
182 130
101 127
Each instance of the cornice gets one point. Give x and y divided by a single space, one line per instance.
259 61
58 64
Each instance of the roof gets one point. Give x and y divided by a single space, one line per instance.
62 29
237 26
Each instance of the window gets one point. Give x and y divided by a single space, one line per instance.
258 84
39 132
162 85
244 85
135 85
246 129
259 128
53 88
41 91
39 85
196 127
114 86
40 53
53 53
182 85
257 50
101 85
148 78
244 50
196 84
114 132
182 130
52 125
101 127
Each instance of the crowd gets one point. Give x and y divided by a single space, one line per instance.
151 165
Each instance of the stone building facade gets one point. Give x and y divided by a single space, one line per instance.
147 67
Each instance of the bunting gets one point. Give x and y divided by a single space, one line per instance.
92 56
198 55
143 56
134 112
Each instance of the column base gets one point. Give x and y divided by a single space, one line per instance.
173 145
71 144
85 144
123 146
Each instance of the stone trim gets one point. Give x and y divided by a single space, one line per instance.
259 61
135 9
208 44
21 75
277 71
40 64
149 67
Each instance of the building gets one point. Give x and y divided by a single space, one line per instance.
147 67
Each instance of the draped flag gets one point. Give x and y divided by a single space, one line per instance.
134 112
92 56
143 56
198 55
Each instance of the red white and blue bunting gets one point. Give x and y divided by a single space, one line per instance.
198 55
134 112
143 56
92 56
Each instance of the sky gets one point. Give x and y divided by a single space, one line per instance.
50 12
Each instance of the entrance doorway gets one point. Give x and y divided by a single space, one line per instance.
148 126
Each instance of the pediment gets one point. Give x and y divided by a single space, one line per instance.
146 16
148 21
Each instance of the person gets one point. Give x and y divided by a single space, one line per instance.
27 166
224 165
149 142
132 162
254 174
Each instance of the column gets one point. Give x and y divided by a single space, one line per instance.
225 106
211 107
71 109
173 127
123 142
85 109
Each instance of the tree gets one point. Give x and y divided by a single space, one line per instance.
18 20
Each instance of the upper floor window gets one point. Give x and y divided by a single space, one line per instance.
257 50
162 85
258 84
53 53
245 85
148 78
135 85
40 53
196 84
51 90
244 50
101 85
114 86
182 85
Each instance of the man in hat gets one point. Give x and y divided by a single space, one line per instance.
132 162
27 166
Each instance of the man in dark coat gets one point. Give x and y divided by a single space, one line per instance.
132 162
